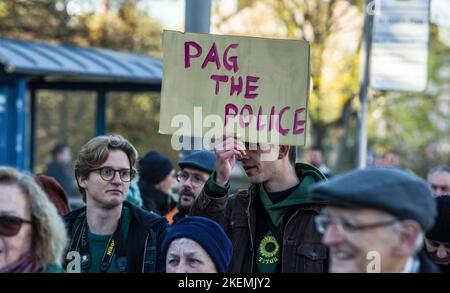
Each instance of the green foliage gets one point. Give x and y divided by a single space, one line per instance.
70 116
137 117
63 117
414 124
46 20
417 125
334 64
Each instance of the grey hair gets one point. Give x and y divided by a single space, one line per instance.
438 169
49 237
419 240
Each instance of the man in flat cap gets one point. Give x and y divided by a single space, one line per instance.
375 221
195 170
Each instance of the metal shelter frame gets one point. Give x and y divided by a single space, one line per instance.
27 67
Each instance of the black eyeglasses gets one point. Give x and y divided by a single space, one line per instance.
108 173
11 225
196 179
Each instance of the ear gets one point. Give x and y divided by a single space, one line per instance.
409 234
283 151
82 181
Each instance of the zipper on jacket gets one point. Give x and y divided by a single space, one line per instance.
251 234
145 252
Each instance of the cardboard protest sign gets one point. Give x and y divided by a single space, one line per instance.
255 87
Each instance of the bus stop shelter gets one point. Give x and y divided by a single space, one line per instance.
27 67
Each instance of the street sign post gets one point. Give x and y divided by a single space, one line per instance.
399 59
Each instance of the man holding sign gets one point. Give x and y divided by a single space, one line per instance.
255 89
271 224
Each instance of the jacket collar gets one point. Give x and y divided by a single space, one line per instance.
144 218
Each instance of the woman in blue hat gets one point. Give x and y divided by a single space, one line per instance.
196 245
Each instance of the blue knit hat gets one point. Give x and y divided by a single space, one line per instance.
154 167
208 234
202 160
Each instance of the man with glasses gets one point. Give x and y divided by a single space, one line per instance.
375 221
195 170
110 234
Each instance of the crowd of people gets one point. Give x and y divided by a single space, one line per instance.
117 212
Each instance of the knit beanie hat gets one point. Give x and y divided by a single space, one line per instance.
208 234
154 167
441 229
55 193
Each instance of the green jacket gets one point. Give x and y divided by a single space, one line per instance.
302 250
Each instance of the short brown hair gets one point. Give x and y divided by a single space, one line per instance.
96 151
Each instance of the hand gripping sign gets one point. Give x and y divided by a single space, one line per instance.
255 87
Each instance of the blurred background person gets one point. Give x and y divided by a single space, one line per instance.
375 221
32 235
195 170
134 194
315 158
61 169
439 180
437 242
156 180
391 159
197 245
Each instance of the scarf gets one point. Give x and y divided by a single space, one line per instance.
25 264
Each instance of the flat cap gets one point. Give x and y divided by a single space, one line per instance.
394 191
202 160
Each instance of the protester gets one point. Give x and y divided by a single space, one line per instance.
437 242
111 234
32 235
61 169
196 245
439 180
375 221
156 179
55 193
274 215
315 158
195 170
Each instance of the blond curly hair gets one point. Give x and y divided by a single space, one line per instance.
49 237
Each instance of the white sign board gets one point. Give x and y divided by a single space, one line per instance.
440 13
255 87
399 58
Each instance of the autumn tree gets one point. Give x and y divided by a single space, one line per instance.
333 29
70 116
